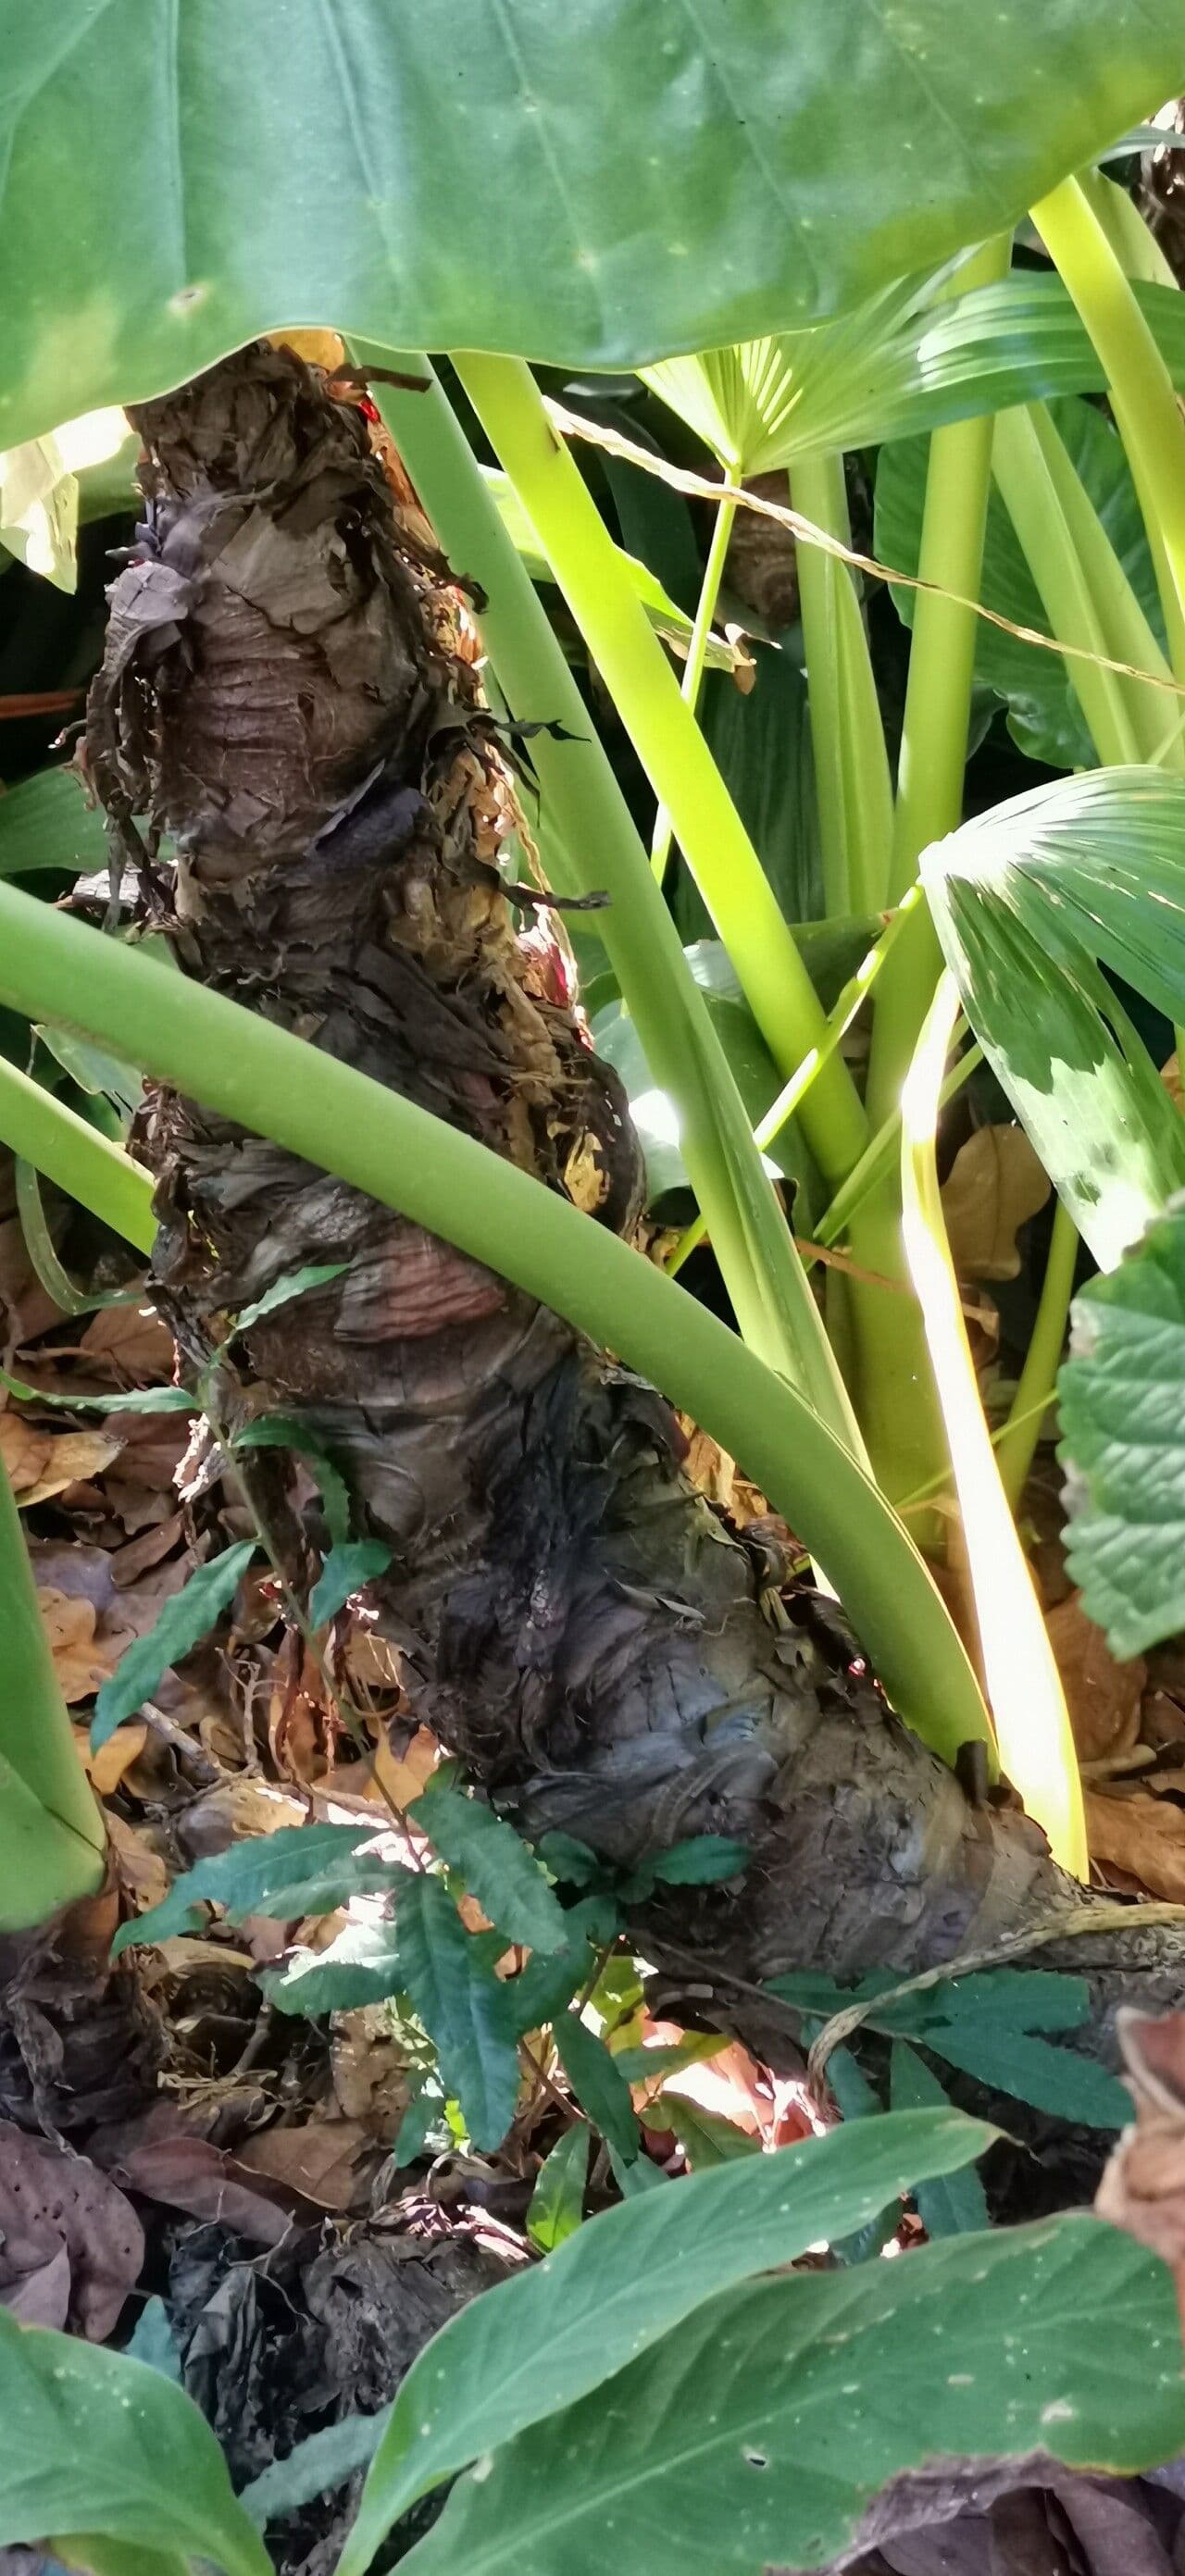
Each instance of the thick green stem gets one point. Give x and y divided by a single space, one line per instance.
669 744
896 1398
693 668
1139 386
773 1304
52 1845
42 1131
852 783
1017 1443
54 968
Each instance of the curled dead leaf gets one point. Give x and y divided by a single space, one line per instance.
24 1450
1144 1837
71 2245
81 1661
70 1458
1103 1696
1143 2186
995 1184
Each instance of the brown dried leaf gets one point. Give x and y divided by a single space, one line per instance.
189 2173
995 1183
401 1776
1103 1696
116 1756
1143 1836
139 1867
320 2160
54 2203
132 1341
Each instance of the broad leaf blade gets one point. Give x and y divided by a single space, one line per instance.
181 1625
462 2005
952 2204
87 2437
1026 901
759 2433
45 822
1122 1397
362 1966
625 2279
347 1567
494 1865
627 177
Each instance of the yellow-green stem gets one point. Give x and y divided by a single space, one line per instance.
853 788
52 1843
1038 1378
669 744
693 668
1139 386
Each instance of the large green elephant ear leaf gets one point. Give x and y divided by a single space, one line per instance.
592 182
1045 907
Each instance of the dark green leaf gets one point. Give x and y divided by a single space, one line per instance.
179 1627
647 183
760 2432
1053 2079
557 2202
287 1431
1026 899
462 2005
344 1572
701 1862
626 2278
423 2113
87 2434
597 2082
153 2340
648 2065
761 743
638 2176
493 1864
1122 1398
952 2204
361 1966
572 1863
300 1869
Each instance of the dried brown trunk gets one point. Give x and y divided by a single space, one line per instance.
286 693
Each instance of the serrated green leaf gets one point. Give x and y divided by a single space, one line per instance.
287 1431
295 1283
569 1861
300 1869
557 2202
705 2138
1030 903
462 2005
149 1399
493 1864
952 2204
179 1627
361 1966
759 2434
627 2278
567 242
423 2112
597 2082
1122 1400
312 2468
347 1567
1053 2079
86 2432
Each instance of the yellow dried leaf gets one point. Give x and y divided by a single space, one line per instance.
116 1756
995 1183
24 1450
317 348
74 1457
79 1662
